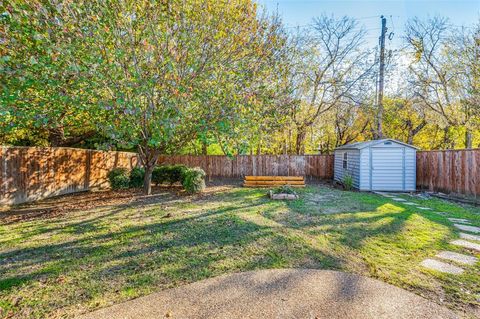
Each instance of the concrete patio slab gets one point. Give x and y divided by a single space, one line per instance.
441 266
466 244
281 293
456 257
469 236
472 229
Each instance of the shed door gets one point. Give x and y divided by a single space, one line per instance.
387 169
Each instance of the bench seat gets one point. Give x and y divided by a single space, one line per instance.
269 181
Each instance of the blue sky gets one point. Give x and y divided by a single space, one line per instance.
301 12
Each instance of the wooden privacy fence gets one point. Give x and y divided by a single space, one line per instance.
450 171
310 166
32 173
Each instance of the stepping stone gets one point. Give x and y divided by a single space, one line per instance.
397 199
469 236
441 266
383 194
409 203
466 244
472 229
423 208
459 220
441 213
456 257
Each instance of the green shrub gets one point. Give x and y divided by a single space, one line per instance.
159 175
120 182
348 182
194 180
168 174
177 173
137 175
117 178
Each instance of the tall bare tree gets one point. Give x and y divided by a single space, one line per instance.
443 69
330 70
463 53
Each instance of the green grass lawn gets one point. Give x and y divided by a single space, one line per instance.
70 264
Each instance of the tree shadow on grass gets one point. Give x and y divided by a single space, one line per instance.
204 246
357 225
213 229
166 252
354 232
101 213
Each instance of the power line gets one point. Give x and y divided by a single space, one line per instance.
460 26
369 17
298 26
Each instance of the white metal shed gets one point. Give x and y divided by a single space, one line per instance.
380 165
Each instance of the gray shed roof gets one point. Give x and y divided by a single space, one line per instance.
360 145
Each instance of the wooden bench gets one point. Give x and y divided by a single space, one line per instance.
268 181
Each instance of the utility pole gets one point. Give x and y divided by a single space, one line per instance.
381 79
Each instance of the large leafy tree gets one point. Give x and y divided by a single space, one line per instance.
168 72
246 99
154 75
44 73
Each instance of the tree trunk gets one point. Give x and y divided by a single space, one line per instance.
147 181
56 136
148 158
412 132
447 141
204 148
468 139
410 138
300 142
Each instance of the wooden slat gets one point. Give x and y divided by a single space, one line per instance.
274 178
274 183
270 185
